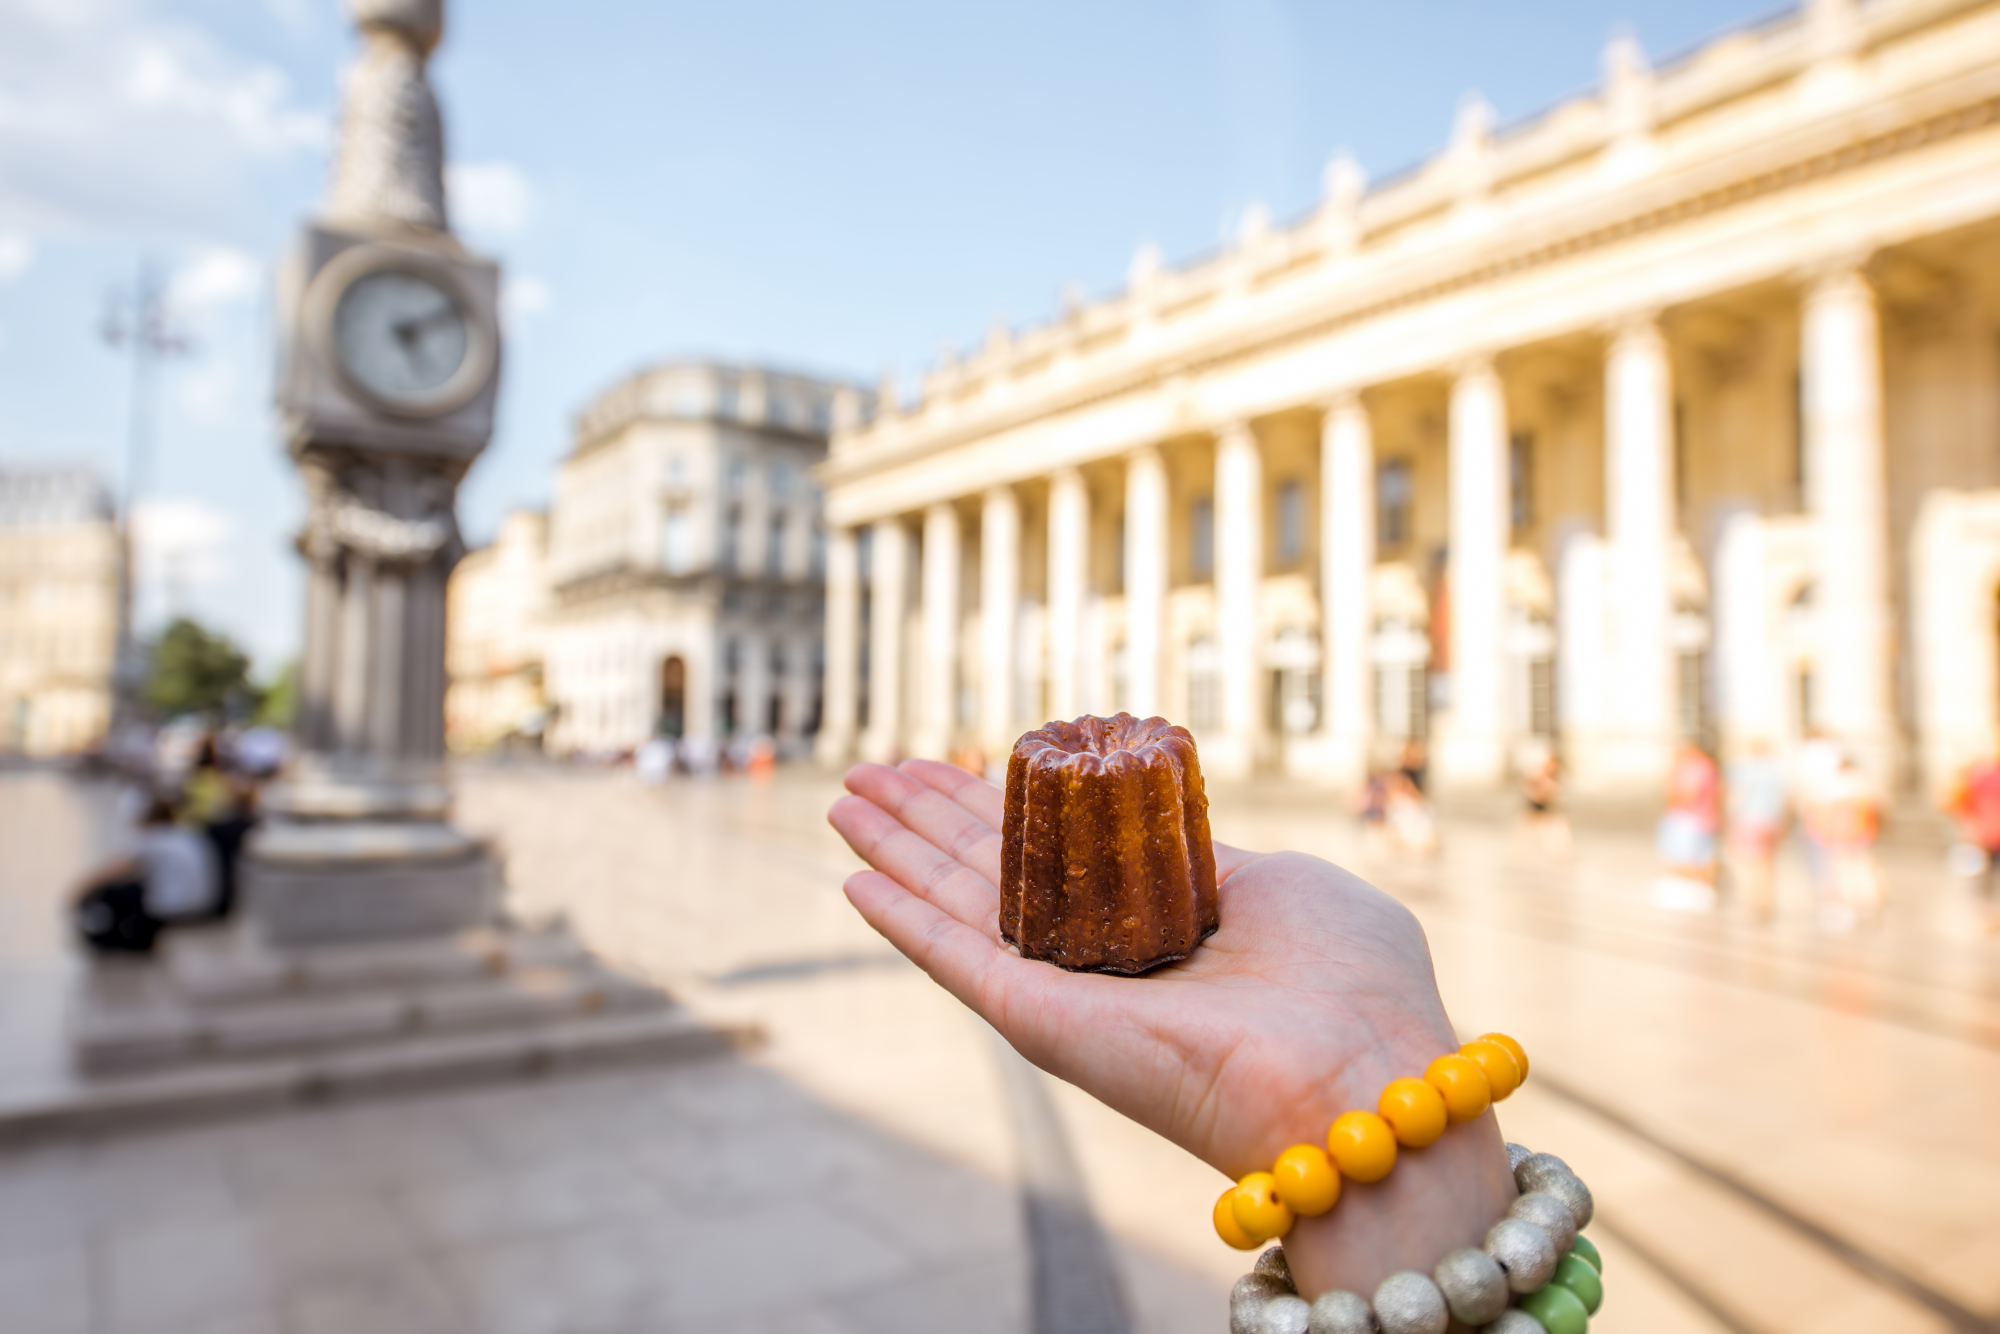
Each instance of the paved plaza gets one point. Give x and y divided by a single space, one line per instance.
1785 1130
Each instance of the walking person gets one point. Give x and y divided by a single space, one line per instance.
1845 820
1975 803
1686 838
1757 804
1544 827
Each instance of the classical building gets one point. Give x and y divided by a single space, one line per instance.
496 612
686 557
1672 411
59 573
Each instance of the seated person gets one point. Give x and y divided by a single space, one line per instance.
168 874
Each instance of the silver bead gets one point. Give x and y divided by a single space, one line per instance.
1546 1172
1341 1313
1515 1321
1285 1315
1409 1303
1515 1153
1523 1250
1549 1214
1474 1285
1247 1300
1273 1262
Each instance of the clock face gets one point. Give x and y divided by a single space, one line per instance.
400 336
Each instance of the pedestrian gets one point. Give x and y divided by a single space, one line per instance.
221 803
1757 803
167 874
1686 837
1846 819
1975 802
1544 826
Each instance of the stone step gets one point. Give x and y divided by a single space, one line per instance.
217 1088
219 965
122 1020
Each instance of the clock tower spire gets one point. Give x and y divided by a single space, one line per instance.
388 172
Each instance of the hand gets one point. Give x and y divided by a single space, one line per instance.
1315 992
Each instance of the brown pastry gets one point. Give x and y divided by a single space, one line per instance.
1105 859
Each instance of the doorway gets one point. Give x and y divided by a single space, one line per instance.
673 697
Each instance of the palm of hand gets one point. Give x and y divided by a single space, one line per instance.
1315 991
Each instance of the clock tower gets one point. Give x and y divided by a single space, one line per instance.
386 387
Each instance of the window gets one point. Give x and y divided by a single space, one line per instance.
1521 479
1291 522
818 551
733 553
737 475
1393 494
781 481
1203 536
774 547
1204 687
677 541
677 471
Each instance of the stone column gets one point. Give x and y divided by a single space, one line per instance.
999 609
1471 749
1846 489
1145 580
937 700
888 603
1347 556
1069 563
1639 512
1239 569
842 682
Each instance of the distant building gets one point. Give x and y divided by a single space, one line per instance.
1670 412
686 560
496 613
59 568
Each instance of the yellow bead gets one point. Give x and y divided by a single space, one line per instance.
1363 1146
1503 1073
1259 1211
1306 1180
1226 1225
1462 1085
1514 1049
1414 1110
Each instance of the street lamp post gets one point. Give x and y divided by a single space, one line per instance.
142 322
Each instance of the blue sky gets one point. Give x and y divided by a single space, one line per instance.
840 188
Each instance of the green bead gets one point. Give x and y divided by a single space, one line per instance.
1576 1275
1557 1309
1588 1252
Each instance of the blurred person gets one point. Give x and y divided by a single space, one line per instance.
760 759
1758 811
654 762
971 759
1543 824
1846 819
168 874
1814 767
699 755
1686 837
1407 817
222 804
1975 803
1414 764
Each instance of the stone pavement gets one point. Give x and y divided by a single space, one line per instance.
1786 1131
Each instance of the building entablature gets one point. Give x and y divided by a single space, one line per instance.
1767 155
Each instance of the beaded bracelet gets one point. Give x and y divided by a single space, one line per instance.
1411 1112
1534 1257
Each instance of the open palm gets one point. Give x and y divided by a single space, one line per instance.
1315 991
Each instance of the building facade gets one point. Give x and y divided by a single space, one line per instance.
1672 412
686 561
496 622
59 592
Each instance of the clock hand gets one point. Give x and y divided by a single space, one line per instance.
409 333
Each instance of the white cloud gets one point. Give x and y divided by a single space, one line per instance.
488 196
218 276
17 251
180 546
114 119
521 299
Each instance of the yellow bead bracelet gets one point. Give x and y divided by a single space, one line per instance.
1361 1146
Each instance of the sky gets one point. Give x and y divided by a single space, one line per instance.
839 188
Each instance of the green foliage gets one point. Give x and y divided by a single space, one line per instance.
280 699
195 671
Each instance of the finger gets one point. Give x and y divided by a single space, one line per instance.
986 802
932 816
957 957
886 844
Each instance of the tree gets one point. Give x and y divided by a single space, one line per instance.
195 671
